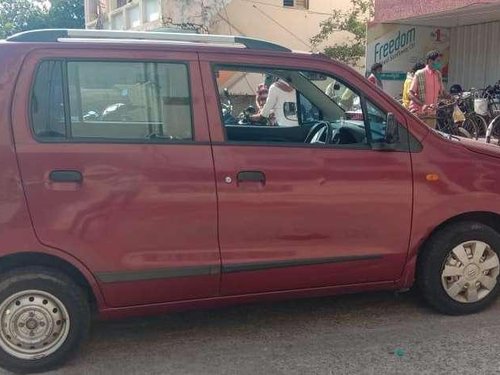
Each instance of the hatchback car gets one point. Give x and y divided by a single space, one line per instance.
142 173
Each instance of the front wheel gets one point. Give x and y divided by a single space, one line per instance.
493 131
469 129
459 267
44 317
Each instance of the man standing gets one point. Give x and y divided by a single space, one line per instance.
280 108
376 74
427 85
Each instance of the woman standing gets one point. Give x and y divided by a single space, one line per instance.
407 84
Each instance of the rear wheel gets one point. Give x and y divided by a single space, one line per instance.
459 268
446 125
44 317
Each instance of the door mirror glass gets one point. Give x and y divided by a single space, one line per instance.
392 129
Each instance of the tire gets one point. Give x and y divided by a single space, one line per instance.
494 131
481 123
45 306
439 275
462 132
470 128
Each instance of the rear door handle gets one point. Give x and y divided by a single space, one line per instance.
251 176
66 176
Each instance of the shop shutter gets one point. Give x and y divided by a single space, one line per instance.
474 57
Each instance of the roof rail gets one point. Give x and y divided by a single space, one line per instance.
55 35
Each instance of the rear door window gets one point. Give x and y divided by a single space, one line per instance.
47 101
119 100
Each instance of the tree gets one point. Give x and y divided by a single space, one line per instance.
354 21
67 14
22 15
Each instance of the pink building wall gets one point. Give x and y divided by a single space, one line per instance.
390 10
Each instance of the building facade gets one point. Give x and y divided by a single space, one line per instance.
288 22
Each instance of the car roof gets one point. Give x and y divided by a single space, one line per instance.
142 37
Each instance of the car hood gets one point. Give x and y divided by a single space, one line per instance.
481 147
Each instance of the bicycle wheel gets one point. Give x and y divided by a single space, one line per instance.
481 123
493 132
469 129
446 126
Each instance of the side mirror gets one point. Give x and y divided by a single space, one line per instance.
226 93
391 138
391 129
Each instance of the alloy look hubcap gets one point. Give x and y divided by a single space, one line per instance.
34 324
470 272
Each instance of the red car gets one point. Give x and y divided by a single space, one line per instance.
138 177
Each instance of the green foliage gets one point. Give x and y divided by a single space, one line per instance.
353 21
22 15
67 14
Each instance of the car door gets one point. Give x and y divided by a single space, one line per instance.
118 171
295 215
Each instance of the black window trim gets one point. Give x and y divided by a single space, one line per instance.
101 140
404 146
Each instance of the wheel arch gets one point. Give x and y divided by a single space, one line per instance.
488 218
491 219
34 258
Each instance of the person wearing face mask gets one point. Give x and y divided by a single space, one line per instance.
427 85
376 75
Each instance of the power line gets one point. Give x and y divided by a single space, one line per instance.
280 25
227 16
282 7
230 24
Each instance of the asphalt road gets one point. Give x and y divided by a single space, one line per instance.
378 333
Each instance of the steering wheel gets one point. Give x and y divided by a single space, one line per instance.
343 136
315 131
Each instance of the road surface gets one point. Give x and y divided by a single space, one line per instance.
378 333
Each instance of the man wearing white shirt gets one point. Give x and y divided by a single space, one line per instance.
281 105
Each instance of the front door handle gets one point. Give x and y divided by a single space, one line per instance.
251 176
66 176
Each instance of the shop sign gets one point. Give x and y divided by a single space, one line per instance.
398 47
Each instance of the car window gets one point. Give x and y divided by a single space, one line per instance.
47 101
288 106
113 101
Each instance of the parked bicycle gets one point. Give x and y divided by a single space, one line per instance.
487 105
466 103
447 120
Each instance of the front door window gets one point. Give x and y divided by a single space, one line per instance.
295 106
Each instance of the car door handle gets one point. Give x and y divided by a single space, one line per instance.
251 176
66 176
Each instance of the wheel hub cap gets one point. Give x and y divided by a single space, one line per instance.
34 324
470 272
